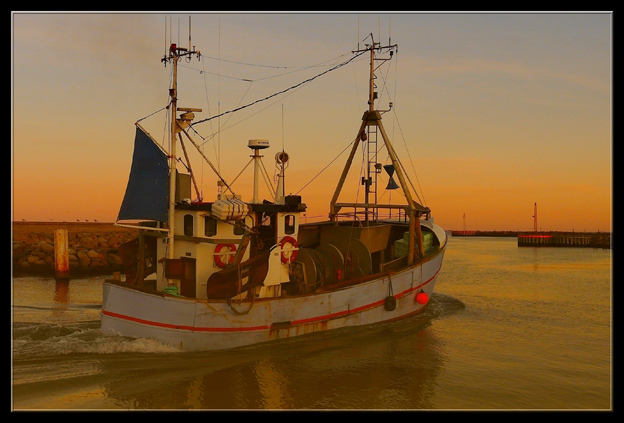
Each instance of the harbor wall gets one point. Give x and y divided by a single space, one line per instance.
547 239
565 239
93 247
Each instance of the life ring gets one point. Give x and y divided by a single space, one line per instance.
218 257
293 252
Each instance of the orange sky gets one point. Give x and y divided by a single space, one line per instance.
494 112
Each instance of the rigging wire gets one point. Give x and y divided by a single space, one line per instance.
325 168
279 92
223 128
242 120
424 201
296 68
209 113
151 114
237 108
396 120
272 66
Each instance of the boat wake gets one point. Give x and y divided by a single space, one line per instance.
442 305
33 340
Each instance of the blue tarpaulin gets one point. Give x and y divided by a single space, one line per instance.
147 191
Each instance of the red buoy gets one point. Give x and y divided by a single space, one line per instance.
422 297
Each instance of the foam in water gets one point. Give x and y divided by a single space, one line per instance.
38 340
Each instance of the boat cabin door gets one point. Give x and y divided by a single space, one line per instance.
183 269
188 282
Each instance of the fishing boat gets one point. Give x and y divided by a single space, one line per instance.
229 273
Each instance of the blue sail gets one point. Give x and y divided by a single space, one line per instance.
147 191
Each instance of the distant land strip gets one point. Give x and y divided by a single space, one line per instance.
93 246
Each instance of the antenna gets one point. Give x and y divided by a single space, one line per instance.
219 101
282 126
257 145
358 38
189 33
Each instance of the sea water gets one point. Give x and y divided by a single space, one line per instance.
508 328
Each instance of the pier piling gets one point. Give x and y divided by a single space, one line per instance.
61 254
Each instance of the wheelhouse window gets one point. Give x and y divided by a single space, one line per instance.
239 227
188 224
289 224
210 226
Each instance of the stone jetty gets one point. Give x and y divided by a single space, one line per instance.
93 247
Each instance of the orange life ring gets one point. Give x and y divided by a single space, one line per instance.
218 257
293 252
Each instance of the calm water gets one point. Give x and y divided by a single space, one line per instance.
508 328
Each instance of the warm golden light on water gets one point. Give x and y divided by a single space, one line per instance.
507 328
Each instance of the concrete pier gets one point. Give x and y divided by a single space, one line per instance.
564 239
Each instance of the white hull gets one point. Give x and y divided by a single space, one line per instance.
202 325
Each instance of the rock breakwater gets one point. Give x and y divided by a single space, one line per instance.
94 251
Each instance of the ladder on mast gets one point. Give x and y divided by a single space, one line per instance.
373 169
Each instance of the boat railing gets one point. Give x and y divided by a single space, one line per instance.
371 212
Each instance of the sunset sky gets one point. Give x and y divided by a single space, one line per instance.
492 112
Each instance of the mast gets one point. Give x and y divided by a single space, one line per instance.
371 79
173 92
371 119
175 53
371 107
372 138
371 123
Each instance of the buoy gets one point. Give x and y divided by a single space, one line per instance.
422 297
